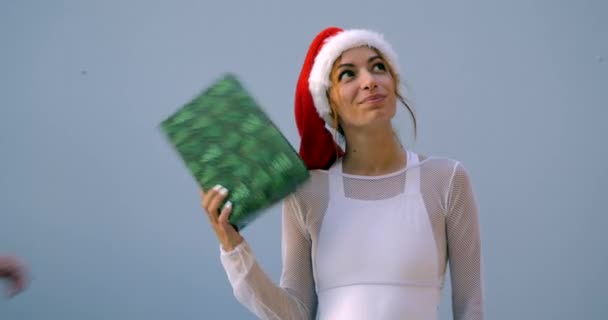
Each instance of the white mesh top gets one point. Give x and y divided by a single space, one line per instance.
371 247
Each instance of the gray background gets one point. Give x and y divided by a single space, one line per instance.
109 221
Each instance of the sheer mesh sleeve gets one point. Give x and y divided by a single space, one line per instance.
295 297
464 248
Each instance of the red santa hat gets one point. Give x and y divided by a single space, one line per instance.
312 109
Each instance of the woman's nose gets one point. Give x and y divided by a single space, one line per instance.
368 80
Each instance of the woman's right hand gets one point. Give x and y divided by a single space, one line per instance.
227 235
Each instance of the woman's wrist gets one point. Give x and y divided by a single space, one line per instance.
229 244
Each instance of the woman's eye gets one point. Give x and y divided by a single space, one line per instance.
379 67
345 75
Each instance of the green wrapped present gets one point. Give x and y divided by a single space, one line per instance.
224 137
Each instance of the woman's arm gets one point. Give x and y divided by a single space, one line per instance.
295 298
464 248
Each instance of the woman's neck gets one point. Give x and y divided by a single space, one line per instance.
372 153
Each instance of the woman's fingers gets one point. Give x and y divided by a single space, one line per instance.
214 204
209 195
212 200
231 237
225 214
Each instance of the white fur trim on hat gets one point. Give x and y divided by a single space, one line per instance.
319 80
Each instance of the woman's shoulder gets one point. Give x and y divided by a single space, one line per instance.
441 166
318 182
309 201
316 187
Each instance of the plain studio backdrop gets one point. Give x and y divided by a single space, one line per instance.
109 221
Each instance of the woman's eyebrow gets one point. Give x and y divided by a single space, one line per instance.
372 58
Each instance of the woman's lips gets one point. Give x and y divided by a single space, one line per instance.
374 98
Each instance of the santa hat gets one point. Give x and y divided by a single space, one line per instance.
312 109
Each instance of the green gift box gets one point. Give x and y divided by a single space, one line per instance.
224 137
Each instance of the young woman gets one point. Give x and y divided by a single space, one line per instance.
370 234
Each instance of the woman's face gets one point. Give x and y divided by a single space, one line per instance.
363 89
